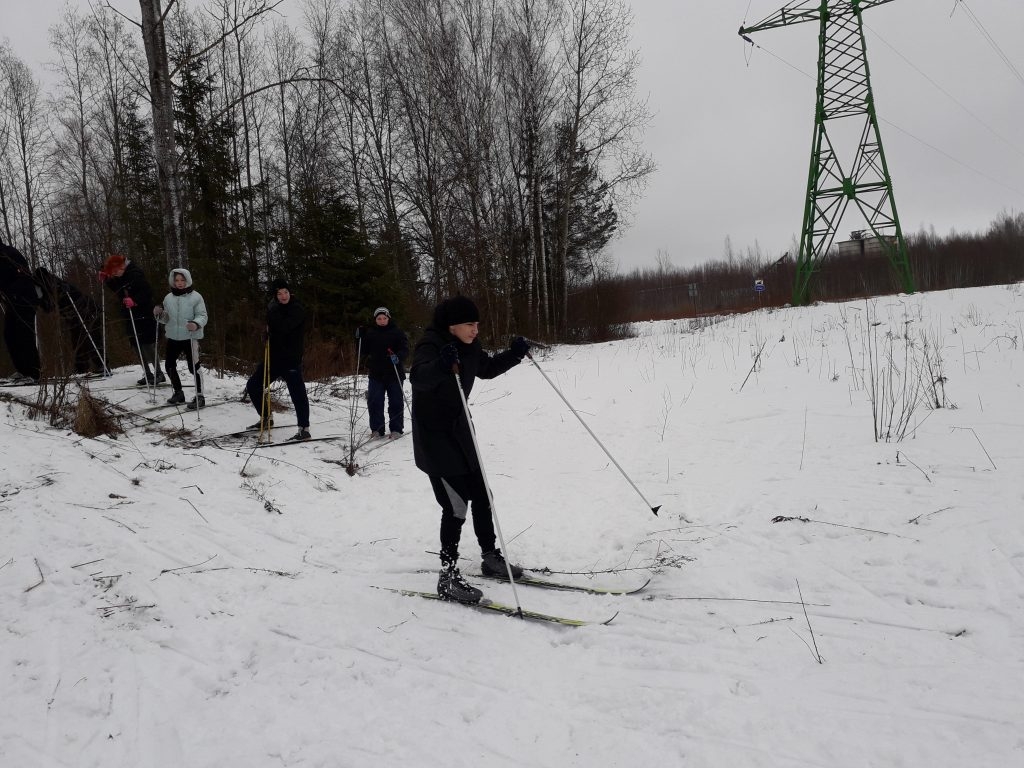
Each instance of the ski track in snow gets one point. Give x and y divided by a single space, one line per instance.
227 634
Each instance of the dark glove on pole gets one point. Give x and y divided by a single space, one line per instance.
519 347
450 357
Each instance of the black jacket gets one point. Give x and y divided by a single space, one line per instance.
441 440
16 283
377 340
134 285
139 319
286 326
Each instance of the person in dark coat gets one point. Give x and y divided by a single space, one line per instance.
286 336
449 356
128 283
18 300
385 346
80 317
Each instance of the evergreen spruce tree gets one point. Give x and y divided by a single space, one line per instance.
137 230
592 220
338 276
210 202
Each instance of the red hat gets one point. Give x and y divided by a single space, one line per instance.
114 262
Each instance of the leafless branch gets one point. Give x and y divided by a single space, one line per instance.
817 654
89 562
971 430
239 24
41 577
121 524
915 520
182 568
194 507
798 518
123 16
741 600
757 358
913 465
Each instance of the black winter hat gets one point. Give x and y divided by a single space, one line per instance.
456 310
278 284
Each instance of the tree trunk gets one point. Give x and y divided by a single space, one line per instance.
164 147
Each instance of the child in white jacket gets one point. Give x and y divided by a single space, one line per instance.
184 314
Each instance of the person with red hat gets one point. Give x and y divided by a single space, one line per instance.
128 283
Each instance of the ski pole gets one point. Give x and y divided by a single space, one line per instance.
106 371
156 357
401 384
354 410
265 400
576 414
487 487
103 330
138 348
195 375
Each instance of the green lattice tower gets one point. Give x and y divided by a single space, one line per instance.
844 97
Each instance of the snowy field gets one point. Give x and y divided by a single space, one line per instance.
160 609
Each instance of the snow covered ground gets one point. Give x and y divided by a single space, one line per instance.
158 608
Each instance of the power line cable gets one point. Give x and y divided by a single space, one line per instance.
953 159
948 95
902 130
991 40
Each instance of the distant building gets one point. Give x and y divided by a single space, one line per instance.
862 243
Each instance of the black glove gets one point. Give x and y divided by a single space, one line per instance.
519 347
359 332
449 355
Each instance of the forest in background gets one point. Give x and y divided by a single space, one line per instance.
602 309
379 152
375 152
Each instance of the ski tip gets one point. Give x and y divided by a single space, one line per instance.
655 509
609 621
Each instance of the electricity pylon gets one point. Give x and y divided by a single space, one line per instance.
844 92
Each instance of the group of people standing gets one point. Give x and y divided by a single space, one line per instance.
446 362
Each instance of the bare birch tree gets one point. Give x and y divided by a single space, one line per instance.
75 109
28 142
600 113
161 96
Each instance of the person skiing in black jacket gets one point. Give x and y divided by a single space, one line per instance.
129 284
286 337
18 301
385 346
449 356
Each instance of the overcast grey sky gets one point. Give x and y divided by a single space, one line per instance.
732 126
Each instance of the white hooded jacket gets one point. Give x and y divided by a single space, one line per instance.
179 310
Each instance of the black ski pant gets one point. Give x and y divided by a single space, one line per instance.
296 389
175 349
20 337
375 391
455 494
